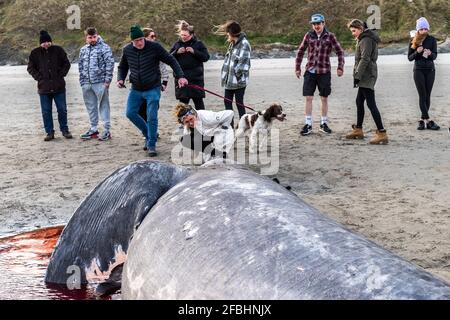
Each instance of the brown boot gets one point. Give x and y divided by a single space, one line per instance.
357 133
380 138
49 137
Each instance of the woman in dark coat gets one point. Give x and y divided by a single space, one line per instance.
190 53
365 74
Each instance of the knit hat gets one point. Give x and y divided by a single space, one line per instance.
422 23
136 32
44 37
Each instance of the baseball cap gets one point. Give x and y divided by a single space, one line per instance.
317 18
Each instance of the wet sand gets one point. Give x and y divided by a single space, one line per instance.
397 195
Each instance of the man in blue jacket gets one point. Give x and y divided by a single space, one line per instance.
141 58
96 66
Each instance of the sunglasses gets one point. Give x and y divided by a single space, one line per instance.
316 23
153 36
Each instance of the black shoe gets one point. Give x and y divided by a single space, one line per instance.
421 125
50 137
431 125
145 145
67 135
307 129
152 153
325 129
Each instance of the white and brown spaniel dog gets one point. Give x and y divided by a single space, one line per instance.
259 124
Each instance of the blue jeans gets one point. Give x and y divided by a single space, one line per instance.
149 126
61 107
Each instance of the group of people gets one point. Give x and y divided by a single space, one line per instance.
319 43
145 62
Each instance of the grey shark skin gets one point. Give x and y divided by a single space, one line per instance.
97 237
228 233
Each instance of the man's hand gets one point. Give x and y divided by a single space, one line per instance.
182 82
181 50
298 73
190 50
163 88
340 72
107 85
355 83
120 84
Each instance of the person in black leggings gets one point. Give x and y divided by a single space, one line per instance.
236 66
365 76
423 51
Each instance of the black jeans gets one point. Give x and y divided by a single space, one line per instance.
195 141
198 102
239 95
424 80
366 94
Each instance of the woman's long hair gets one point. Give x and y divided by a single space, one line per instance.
418 40
231 27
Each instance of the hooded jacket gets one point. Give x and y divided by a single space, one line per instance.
192 65
96 63
366 57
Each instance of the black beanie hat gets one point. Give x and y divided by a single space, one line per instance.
44 37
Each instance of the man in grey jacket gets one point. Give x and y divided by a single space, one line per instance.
96 66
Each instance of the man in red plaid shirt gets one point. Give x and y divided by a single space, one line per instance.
319 43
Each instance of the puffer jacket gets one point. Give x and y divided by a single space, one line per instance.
366 57
236 66
96 64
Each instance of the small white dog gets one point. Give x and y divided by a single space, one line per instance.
259 124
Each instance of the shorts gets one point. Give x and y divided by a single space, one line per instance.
311 81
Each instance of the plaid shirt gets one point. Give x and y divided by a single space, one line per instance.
319 51
236 66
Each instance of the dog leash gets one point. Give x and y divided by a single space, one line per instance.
218 95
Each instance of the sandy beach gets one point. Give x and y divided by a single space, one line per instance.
396 195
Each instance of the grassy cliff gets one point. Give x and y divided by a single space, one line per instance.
265 21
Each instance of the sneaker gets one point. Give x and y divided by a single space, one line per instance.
421 125
50 137
431 125
67 135
152 153
307 129
90 134
324 128
105 136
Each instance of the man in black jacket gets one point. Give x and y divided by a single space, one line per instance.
48 65
141 58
